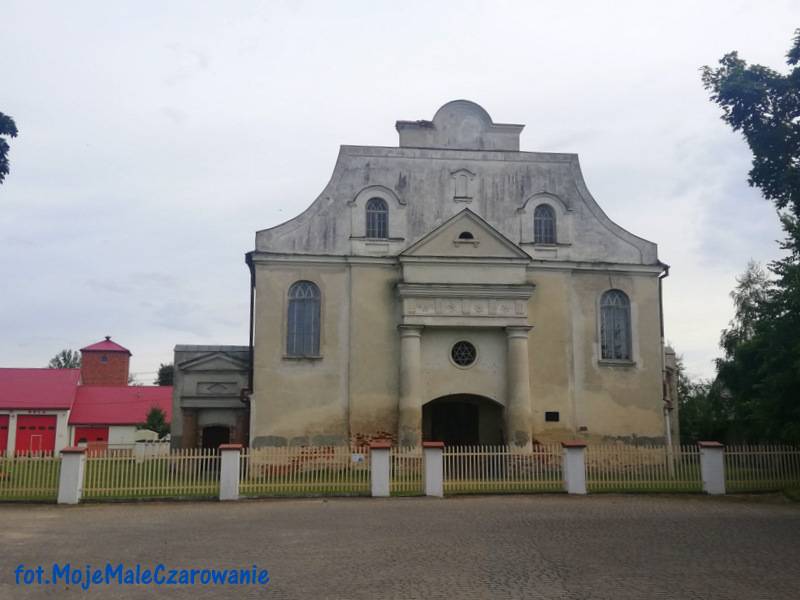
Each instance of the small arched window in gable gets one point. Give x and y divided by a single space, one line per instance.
466 235
615 326
302 331
377 218
544 225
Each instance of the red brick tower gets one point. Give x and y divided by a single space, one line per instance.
105 363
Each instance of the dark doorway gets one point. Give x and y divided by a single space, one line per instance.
455 423
463 420
216 435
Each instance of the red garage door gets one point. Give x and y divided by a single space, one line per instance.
91 434
3 434
35 433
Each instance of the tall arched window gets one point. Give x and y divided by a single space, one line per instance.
302 331
377 218
544 225
615 326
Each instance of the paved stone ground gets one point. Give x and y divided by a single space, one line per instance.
551 547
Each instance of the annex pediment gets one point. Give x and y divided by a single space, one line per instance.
214 361
466 236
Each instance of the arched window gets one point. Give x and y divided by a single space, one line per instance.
544 225
377 218
466 235
302 331
615 326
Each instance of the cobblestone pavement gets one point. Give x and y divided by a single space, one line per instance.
642 547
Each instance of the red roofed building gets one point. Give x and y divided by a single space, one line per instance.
45 410
34 408
111 413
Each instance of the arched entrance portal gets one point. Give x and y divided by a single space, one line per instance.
463 420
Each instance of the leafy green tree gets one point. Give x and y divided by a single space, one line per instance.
156 421
760 370
703 414
7 128
66 359
165 374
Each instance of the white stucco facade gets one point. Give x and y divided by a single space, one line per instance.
459 262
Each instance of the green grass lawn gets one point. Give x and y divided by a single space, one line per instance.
152 478
29 479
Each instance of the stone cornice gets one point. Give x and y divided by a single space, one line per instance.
532 265
464 290
458 154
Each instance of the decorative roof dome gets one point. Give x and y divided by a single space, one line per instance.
460 125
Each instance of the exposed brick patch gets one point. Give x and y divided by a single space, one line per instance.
365 439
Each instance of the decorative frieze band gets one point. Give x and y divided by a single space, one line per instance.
465 300
475 307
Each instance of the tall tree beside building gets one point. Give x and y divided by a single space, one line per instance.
7 129
66 359
761 367
165 374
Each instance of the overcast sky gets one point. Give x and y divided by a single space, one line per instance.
157 137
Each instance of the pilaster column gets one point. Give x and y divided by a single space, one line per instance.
409 430
189 439
518 408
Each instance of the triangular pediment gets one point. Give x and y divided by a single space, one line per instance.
213 361
465 235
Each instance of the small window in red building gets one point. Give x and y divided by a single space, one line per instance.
104 359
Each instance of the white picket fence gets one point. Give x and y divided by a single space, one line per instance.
761 468
643 468
406 476
305 471
182 473
502 469
29 477
346 471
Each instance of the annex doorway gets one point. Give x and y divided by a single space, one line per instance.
215 435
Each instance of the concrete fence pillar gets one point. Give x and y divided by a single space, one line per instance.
574 466
712 467
139 450
434 468
230 456
380 469
70 479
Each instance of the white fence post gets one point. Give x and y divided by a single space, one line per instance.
434 470
70 478
230 456
380 469
574 466
712 467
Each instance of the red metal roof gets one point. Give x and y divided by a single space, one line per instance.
119 405
38 388
105 345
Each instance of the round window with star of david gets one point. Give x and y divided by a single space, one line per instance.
463 353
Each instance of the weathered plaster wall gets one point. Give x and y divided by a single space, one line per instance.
504 183
486 377
623 400
373 372
300 400
550 351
